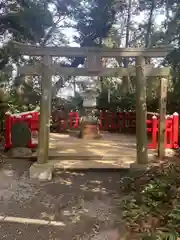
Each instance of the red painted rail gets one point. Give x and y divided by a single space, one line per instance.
124 122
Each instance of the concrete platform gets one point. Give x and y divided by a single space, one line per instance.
45 171
112 146
112 151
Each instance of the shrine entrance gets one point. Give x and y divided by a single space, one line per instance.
131 149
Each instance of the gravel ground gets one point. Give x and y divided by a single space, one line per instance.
81 205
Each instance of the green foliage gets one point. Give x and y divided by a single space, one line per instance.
121 103
152 207
174 216
25 20
127 103
94 20
164 234
102 100
98 22
76 101
155 192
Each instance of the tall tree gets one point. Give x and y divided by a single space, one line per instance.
22 21
94 19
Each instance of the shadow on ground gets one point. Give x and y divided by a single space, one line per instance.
75 205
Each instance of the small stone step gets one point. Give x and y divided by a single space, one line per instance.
41 171
91 164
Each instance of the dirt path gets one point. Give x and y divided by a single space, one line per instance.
74 205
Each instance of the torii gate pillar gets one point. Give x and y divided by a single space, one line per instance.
45 110
141 112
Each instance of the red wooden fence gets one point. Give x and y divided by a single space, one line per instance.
124 122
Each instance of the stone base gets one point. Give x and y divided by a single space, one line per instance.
136 167
20 152
89 131
41 171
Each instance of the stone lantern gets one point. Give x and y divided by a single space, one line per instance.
89 100
89 126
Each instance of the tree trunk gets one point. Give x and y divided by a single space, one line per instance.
149 26
147 44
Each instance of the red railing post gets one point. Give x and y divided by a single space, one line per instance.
7 131
154 131
168 142
175 129
77 120
32 121
34 126
73 116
